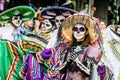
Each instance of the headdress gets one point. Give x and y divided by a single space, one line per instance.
86 20
26 12
52 12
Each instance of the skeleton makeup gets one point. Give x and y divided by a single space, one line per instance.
16 20
46 26
58 20
79 32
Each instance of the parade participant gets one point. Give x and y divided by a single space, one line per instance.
15 17
81 44
11 56
56 14
46 29
42 62
74 56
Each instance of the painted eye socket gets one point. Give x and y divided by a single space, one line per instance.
81 29
16 18
61 20
43 23
75 29
47 25
57 20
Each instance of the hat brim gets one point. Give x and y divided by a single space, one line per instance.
26 12
52 12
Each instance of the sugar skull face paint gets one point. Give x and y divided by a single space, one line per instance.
59 20
46 26
16 20
79 31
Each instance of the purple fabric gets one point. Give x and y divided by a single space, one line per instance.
32 68
94 52
102 71
46 54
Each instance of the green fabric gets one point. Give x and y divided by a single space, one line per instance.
26 12
19 65
6 58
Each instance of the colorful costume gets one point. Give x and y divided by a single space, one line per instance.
74 55
11 59
34 66
111 50
11 55
57 15
15 16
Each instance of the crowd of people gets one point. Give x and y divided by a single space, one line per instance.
57 43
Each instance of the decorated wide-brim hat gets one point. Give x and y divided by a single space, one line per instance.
26 12
52 12
87 21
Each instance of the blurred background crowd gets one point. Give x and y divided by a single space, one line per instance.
101 8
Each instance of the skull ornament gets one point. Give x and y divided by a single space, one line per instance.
79 32
17 21
46 26
58 20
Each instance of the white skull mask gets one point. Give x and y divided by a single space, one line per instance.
59 20
16 20
79 32
46 26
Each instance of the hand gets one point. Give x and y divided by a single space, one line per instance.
82 67
75 51
38 11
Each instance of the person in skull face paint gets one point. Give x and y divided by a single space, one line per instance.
14 17
56 14
79 60
58 20
74 55
13 29
16 23
45 29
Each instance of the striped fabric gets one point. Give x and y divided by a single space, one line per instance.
11 61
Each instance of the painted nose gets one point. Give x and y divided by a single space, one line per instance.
78 32
18 20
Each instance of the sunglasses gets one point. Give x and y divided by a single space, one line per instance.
81 29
